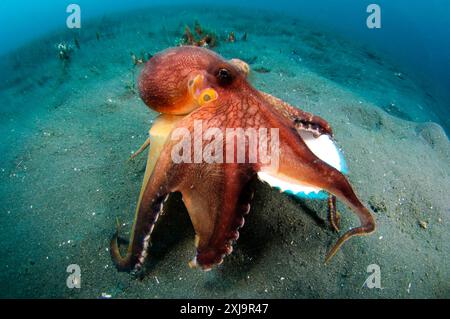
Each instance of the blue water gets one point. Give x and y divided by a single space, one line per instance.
416 34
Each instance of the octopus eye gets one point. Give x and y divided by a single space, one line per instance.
224 76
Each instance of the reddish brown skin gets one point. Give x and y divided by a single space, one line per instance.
216 195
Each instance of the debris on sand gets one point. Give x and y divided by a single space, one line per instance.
64 50
231 37
423 224
377 204
141 59
261 69
201 37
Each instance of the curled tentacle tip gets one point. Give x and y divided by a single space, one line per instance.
328 258
336 224
335 228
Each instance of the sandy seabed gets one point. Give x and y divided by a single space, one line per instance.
68 128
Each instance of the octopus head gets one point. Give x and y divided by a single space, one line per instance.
179 80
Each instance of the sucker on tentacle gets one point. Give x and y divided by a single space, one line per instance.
333 215
309 126
133 261
232 235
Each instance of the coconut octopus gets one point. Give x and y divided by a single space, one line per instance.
196 90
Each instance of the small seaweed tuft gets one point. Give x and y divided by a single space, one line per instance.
201 37
64 50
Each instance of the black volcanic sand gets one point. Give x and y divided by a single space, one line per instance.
68 129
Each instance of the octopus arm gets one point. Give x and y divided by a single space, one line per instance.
156 188
302 120
216 209
298 165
